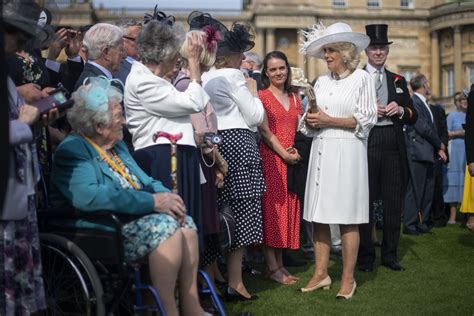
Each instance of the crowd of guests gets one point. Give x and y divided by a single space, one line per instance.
249 136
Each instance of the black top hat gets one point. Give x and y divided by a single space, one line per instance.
377 34
237 40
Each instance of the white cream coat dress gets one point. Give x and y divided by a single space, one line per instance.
337 186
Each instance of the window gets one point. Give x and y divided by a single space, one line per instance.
339 3
407 4
470 74
373 4
409 73
448 78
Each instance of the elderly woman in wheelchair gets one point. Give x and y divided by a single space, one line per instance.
93 171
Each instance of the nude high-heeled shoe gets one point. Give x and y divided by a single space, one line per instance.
325 284
347 296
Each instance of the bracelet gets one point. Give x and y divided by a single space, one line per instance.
198 81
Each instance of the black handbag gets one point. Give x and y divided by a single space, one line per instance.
227 228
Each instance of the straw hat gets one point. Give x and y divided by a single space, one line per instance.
319 36
297 78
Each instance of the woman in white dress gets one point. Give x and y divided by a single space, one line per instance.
337 189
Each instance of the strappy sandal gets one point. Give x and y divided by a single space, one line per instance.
286 280
288 274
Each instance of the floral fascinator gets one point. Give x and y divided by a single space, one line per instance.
159 16
214 29
318 36
237 40
100 89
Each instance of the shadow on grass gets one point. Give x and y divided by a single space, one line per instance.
467 239
406 245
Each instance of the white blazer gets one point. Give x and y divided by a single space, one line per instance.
233 103
153 104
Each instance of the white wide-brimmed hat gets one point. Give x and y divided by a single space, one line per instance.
319 36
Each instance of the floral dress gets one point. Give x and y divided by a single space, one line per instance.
143 235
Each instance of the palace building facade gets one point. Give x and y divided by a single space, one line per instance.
433 37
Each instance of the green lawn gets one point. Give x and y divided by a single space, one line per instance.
439 280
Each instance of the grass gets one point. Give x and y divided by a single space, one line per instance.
439 280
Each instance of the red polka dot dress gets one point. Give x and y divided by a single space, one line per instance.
281 209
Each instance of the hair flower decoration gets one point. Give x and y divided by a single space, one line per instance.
158 16
212 37
96 98
314 33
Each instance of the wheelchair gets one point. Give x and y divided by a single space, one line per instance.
85 273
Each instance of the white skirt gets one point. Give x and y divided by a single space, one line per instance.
337 186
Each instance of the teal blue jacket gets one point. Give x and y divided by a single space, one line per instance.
82 180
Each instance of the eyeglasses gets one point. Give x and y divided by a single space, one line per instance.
129 38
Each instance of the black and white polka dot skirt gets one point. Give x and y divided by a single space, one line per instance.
244 185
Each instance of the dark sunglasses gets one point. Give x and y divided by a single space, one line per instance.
130 38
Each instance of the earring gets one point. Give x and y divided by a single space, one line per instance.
344 61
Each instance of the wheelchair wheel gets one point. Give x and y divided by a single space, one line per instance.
72 284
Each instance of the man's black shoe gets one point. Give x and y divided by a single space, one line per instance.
407 231
366 268
423 230
336 250
395 266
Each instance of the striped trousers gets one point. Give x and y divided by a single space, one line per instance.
386 184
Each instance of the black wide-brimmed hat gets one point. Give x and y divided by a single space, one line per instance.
197 20
25 15
237 40
378 34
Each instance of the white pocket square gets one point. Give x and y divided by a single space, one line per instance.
399 90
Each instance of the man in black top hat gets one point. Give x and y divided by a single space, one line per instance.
388 169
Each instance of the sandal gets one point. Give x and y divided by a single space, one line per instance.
273 275
288 274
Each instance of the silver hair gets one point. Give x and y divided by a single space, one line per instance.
84 120
418 82
158 42
255 58
100 37
127 23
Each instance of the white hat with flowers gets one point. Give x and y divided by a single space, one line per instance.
318 36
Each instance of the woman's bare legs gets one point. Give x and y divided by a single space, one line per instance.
276 271
234 272
188 293
350 247
453 207
322 246
164 263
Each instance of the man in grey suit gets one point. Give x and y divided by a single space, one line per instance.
424 147
130 29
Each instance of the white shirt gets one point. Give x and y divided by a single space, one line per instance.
371 70
153 104
422 97
233 103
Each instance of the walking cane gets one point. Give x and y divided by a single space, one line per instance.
174 161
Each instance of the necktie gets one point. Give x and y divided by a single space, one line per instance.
378 86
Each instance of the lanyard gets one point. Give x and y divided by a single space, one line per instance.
112 163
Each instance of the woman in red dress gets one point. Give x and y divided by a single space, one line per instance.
281 209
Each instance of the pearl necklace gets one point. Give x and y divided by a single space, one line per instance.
345 74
